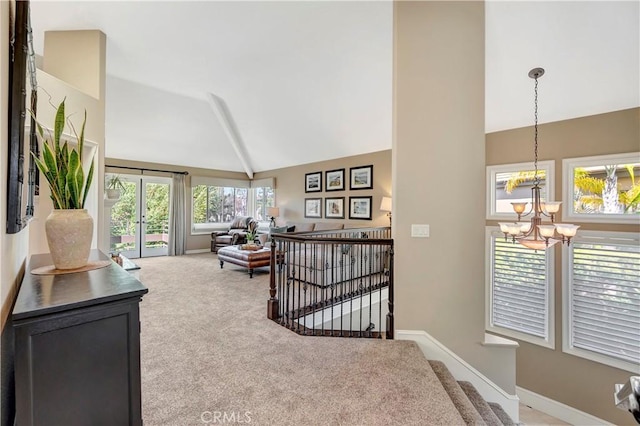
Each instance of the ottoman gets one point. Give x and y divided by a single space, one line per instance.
250 259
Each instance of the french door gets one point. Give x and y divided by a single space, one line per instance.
140 219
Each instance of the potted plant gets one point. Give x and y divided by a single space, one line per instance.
69 228
252 232
114 186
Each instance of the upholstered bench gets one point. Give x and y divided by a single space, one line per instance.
250 259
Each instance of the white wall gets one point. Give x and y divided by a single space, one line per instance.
75 104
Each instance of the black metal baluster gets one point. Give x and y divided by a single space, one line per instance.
390 325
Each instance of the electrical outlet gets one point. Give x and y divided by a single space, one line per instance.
420 231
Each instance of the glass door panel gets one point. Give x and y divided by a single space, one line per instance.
140 218
125 222
155 218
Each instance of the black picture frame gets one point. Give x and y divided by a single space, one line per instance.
313 182
20 194
361 177
313 207
334 207
360 208
334 180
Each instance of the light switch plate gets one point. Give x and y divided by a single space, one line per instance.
420 231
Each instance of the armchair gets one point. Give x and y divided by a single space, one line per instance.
236 234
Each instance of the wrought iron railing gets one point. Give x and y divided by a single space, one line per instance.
333 283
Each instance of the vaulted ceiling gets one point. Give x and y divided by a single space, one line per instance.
305 81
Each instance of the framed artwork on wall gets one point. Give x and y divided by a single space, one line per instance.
22 176
361 177
313 207
313 182
360 208
334 180
334 207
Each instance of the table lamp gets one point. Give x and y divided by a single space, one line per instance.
385 206
273 212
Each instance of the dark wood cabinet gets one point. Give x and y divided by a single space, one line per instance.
77 347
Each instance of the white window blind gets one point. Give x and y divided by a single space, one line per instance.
604 295
519 283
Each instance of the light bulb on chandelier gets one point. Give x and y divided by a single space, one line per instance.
536 234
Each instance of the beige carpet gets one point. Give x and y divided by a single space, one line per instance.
209 352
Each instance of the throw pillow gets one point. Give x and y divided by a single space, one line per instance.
240 222
276 230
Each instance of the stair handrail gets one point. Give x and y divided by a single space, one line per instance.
627 396
279 248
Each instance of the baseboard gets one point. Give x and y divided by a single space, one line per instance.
196 251
461 370
557 409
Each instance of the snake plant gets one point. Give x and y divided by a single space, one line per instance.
61 165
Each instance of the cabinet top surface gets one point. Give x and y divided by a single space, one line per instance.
45 294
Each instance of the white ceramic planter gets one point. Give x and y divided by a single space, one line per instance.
113 194
69 234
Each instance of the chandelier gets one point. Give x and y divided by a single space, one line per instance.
536 234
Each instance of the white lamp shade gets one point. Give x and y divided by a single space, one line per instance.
385 204
552 206
504 227
525 226
273 211
567 229
511 228
547 230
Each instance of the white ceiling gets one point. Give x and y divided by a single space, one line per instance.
306 81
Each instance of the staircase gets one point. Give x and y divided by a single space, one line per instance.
472 407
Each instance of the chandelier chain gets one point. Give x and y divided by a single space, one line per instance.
536 178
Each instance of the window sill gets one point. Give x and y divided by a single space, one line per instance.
493 340
206 230
512 334
602 359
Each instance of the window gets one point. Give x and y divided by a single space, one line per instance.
264 198
217 201
508 183
218 204
519 290
604 188
602 298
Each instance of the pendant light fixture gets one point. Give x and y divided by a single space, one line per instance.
536 234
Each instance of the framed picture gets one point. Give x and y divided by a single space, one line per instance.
313 207
334 180
334 207
361 177
360 208
313 182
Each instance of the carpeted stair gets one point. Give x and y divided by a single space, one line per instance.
471 405
502 415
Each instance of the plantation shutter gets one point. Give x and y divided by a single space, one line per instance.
605 296
519 287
